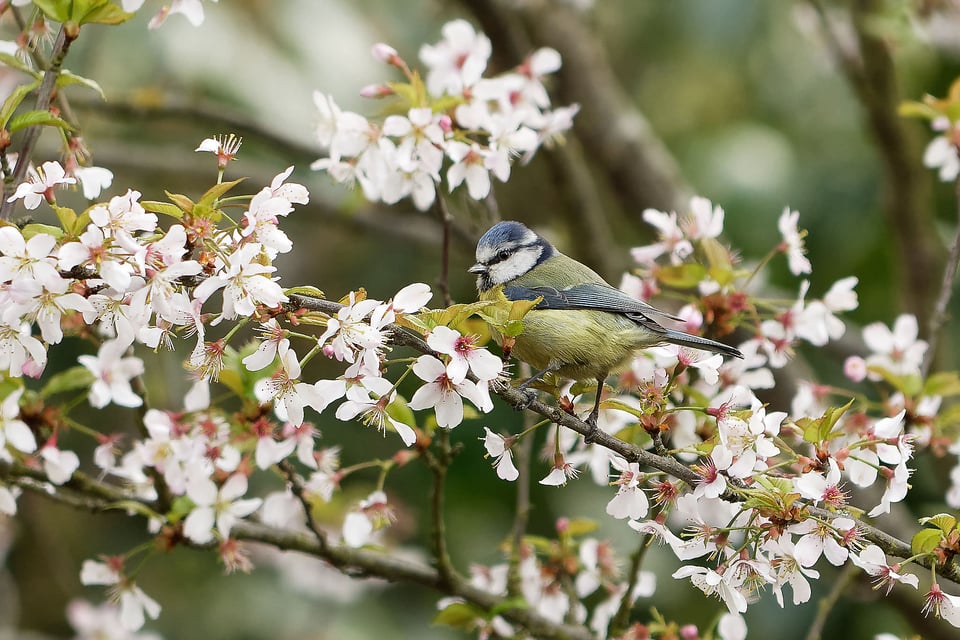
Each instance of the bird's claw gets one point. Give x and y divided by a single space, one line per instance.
591 422
527 397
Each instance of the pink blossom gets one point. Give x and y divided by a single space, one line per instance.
464 355
873 561
443 394
41 185
497 447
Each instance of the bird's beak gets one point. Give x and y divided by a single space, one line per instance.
478 268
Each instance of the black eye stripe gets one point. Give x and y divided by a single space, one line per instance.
505 254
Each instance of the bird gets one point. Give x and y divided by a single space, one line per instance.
583 328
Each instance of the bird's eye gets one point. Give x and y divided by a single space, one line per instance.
503 255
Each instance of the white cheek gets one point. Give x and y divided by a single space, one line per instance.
517 265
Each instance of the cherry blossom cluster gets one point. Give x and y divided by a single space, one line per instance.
114 275
192 10
555 577
943 151
456 117
764 494
800 467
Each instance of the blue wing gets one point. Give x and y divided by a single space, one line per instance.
600 297
603 297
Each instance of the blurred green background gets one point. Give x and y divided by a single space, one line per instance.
744 95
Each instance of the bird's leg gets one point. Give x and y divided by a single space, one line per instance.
592 418
528 395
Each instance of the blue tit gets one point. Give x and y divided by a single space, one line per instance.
583 328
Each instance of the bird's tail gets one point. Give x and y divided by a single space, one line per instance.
696 342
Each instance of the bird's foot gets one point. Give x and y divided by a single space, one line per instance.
528 396
658 445
591 421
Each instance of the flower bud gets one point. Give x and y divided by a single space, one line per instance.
376 91
855 368
384 53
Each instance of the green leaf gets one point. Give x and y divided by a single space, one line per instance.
819 430
163 208
132 506
507 605
8 386
83 220
460 615
186 204
70 379
512 328
180 508
14 99
942 521
97 12
943 383
446 103
520 308
66 78
216 191
683 276
925 541
718 257
544 545
68 219
622 406
56 10
16 63
912 109
581 527
233 381
34 118
310 292
36 228
455 316
401 412
908 385
775 485
405 91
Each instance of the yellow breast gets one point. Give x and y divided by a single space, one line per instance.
586 344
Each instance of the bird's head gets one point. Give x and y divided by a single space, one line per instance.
507 251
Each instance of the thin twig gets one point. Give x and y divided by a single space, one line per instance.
66 111
197 113
618 139
44 95
296 486
829 602
871 74
84 492
939 316
446 220
622 617
523 455
164 495
631 452
439 461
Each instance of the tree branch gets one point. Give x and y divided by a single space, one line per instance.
44 97
872 77
446 220
828 602
631 452
215 117
83 492
522 459
939 316
296 486
615 136
439 462
619 623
